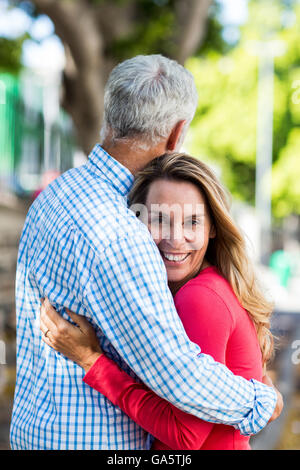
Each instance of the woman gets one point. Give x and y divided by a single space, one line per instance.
214 290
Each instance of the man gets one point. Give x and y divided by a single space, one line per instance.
84 249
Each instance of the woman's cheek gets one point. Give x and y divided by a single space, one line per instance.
196 239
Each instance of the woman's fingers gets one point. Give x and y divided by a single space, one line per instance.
47 340
44 328
80 320
46 324
89 336
77 344
52 322
267 380
50 312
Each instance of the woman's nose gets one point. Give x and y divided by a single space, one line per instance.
177 237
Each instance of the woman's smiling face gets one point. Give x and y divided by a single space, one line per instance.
180 225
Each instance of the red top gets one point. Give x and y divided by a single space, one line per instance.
214 319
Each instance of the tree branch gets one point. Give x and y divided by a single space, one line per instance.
191 19
115 20
75 24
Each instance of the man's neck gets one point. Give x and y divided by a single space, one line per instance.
131 155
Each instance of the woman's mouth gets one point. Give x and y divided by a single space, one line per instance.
173 258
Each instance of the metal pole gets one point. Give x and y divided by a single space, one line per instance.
266 51
264 151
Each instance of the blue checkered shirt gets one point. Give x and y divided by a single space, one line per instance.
84 248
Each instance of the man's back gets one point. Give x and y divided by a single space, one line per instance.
53 408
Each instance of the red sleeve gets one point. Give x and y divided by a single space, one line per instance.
208 324
177 429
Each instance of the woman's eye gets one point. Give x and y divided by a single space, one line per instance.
160 219
192 223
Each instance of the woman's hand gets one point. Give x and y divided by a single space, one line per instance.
279 405
78 343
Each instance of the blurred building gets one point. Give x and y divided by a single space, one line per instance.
36 145
35 133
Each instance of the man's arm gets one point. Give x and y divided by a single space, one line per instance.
128 298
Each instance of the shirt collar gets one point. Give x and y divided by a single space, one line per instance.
111 170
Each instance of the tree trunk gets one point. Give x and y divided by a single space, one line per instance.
191 19
83 81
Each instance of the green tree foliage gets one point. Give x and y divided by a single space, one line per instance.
10 54
155 30
224 128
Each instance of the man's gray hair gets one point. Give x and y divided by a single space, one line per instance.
146 96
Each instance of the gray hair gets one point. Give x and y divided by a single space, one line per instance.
146 96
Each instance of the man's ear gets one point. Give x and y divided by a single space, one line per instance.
174 136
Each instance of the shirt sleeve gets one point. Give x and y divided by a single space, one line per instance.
208 323
128 297
173 427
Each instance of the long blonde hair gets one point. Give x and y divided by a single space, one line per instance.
227 251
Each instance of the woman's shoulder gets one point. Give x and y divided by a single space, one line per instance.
206 295
210 289
214 318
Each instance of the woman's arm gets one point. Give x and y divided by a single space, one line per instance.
177 429
208 323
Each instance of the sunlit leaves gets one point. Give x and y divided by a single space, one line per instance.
224 128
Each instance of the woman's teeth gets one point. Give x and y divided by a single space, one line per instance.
171 257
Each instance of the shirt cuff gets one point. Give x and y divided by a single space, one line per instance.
265 399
